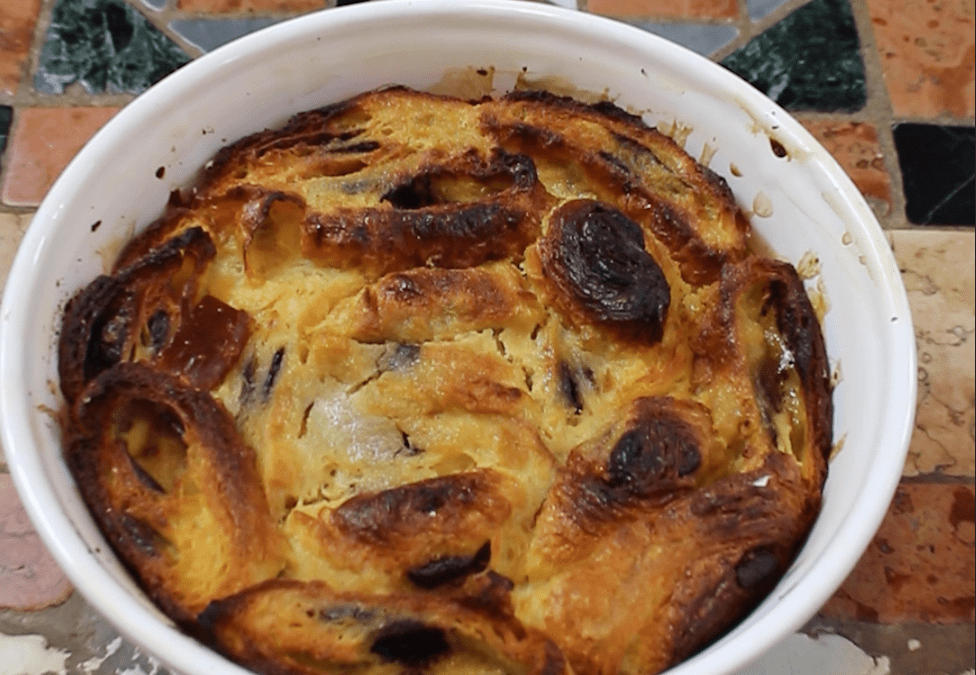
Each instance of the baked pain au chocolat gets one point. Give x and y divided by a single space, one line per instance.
417 384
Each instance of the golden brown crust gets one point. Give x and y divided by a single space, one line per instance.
169 479
416 384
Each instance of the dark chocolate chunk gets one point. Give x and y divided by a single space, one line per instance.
446 569
757 570
410 643
596 255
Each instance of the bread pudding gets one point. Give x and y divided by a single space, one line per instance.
415 384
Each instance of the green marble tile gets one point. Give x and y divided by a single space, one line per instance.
106 46
938 168
810 60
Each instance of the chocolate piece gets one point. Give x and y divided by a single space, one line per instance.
596 256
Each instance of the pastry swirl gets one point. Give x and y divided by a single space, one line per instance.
417 384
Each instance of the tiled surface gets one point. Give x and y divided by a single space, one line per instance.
926 51
937 268
43 142
31 578
919 566
885 85
715 9
810 60
104 46
856 147
17 22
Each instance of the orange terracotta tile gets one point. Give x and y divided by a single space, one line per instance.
16 33
937 269
716 9
221 6
919 566
927 51
42 142
855 146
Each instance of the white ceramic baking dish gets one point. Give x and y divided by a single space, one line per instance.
800 202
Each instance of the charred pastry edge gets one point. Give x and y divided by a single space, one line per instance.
368 517
568 271
502 636
591 484
84 311
449 569
699 262
695 630
451 235
88 452
311 127
801 333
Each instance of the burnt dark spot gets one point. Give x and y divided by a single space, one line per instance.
247 381
618 164
407 508
757 570
142 535
569 386
158 326
416 194
399 356
597 255
410 643
160 172
356 148
110 332
145 477
778 149
97 224
648 457
269 380
447 569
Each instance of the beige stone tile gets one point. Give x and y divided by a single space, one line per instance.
12 228
937 268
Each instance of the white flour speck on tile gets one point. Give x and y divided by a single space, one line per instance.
92 665
800 654
30 655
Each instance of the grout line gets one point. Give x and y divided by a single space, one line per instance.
879 112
